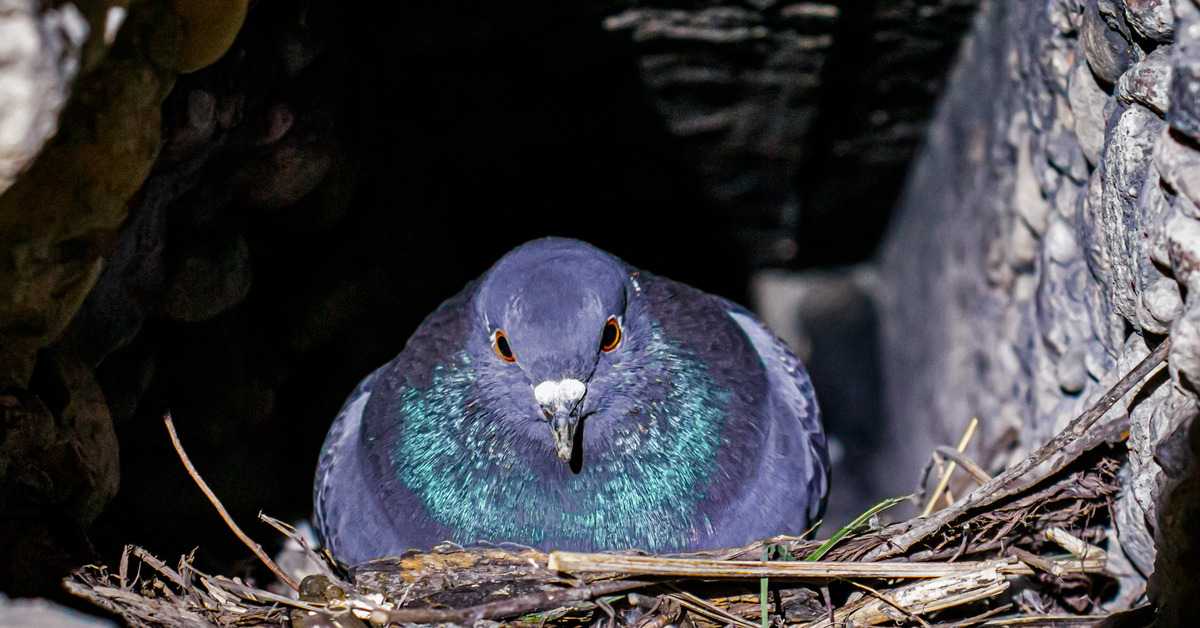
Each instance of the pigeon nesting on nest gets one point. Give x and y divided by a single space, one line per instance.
568 400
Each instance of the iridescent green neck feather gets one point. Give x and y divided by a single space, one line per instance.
643 491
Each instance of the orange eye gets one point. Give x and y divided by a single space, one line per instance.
500 344
611 336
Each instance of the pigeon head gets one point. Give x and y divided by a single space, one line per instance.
549 314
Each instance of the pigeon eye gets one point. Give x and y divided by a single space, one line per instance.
500 344
611 336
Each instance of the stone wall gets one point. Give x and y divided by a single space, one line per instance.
1047 237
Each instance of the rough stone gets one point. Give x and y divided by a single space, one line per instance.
1062 151
1185 350
1184 249
1185 59
1031 205
1061 245
1162 303
1179 165
38 612
285 175
1151 19
1071 371
1179 551
207 30
1120 226
743 130
1087 109
192 132
58 442
1107 47
210 282
1148 82
56 233
40 53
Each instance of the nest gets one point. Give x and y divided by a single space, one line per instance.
1021 546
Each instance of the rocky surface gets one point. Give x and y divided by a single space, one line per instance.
40 57
1047 238
28 613
60 214
797 113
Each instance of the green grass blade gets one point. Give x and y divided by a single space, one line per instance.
854 525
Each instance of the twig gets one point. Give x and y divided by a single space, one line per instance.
503 608
159 566
661 620
701 606
945 479
254 547
123 570
1033 560
997 486
310 554
963 623
890 602
1058 621
968 465
577 562
1073 544
919 598
407 590
828 604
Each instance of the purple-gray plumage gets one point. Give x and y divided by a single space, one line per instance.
565 399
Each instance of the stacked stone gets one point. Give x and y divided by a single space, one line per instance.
91 252
1049 237
737 85
797 112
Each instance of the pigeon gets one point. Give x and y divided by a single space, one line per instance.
567 400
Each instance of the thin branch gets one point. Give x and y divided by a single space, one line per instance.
944 481
310 554
701 606
828 604
968 465
970 621
1033 560
583 562
212 497
503 608
159 566
890 602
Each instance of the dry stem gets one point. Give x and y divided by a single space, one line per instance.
504 608
945 479
212 497
583 562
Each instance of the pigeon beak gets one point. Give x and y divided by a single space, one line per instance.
562 428
559 400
